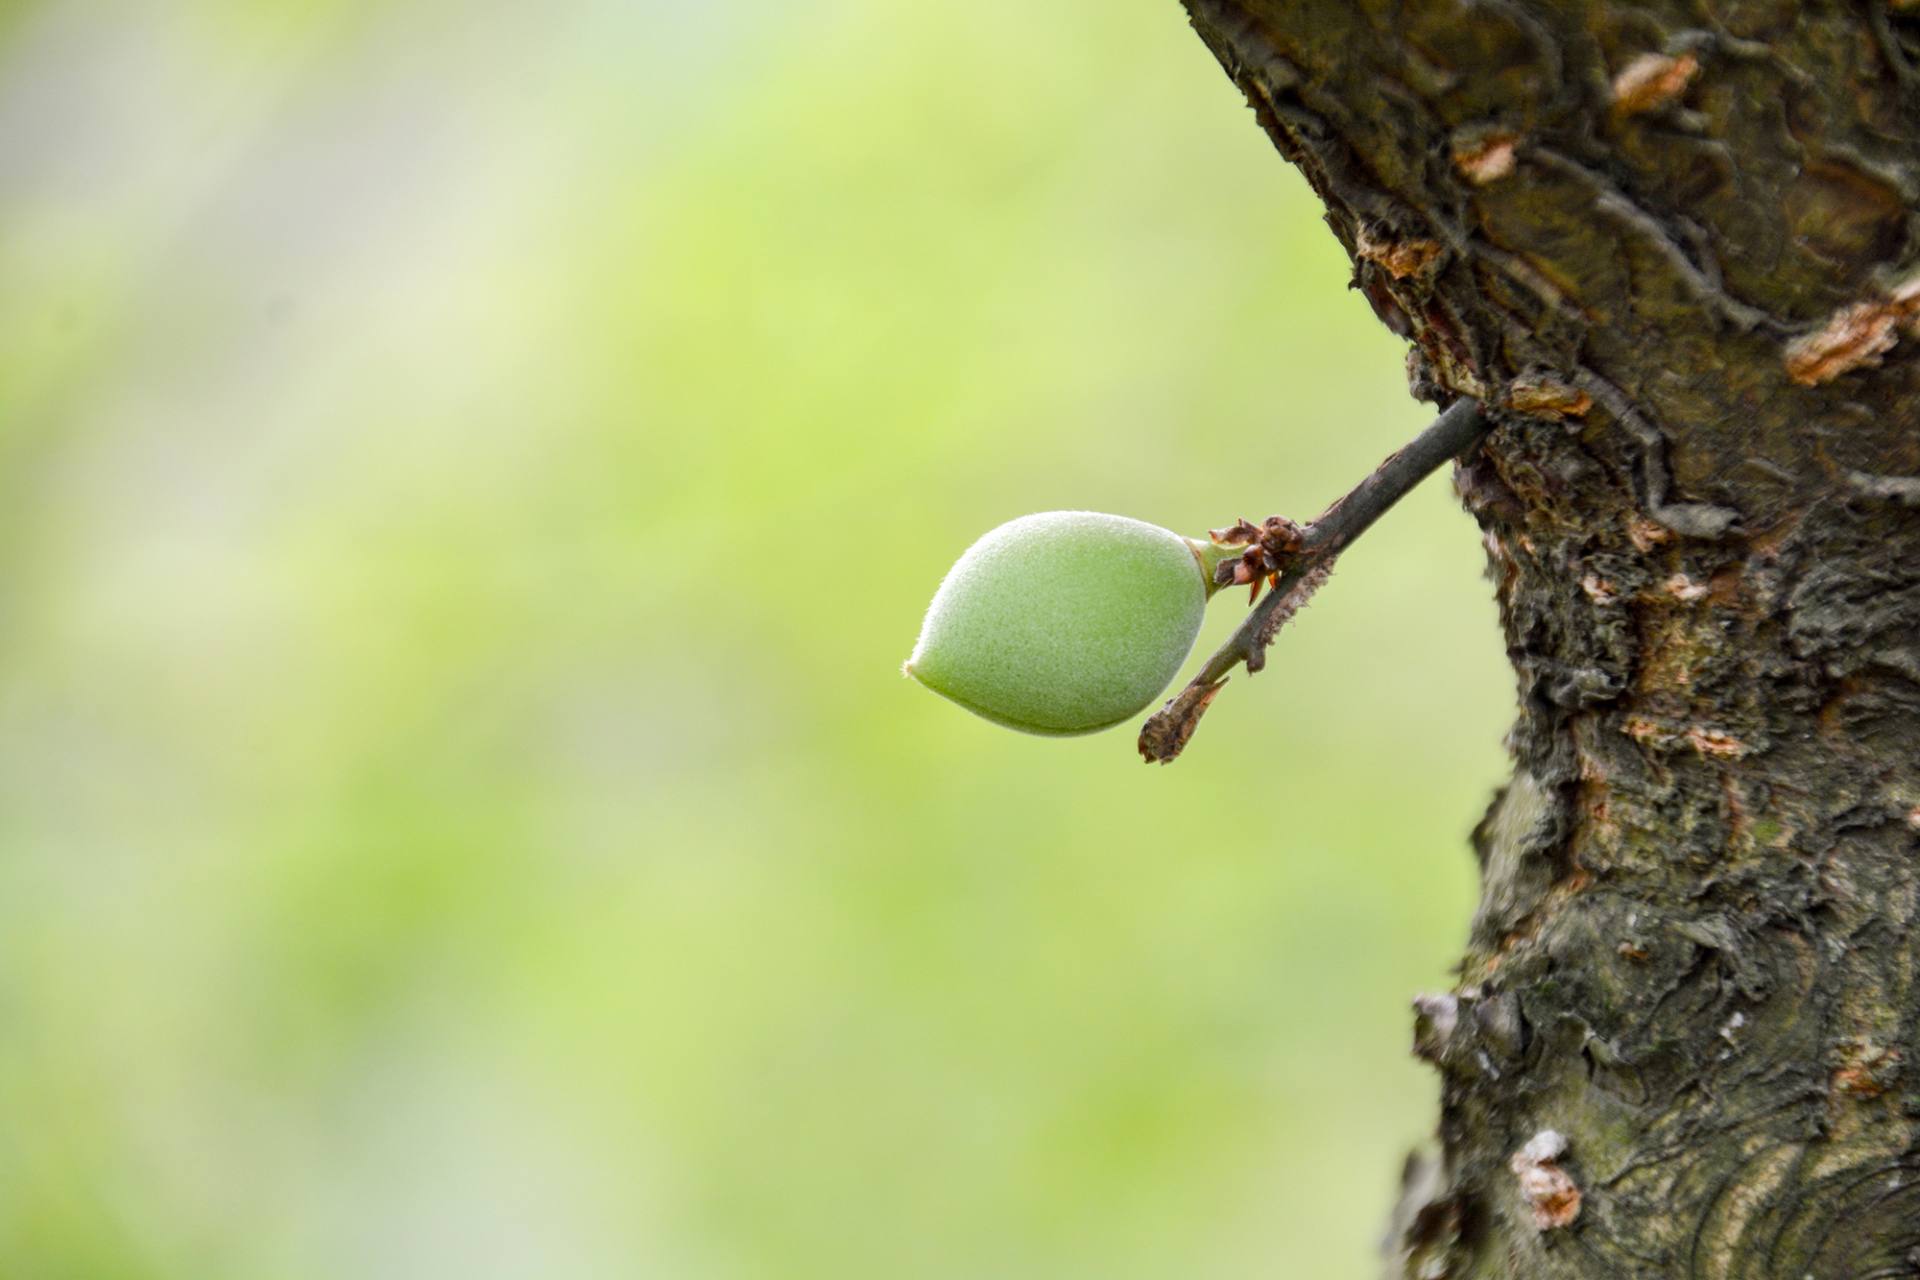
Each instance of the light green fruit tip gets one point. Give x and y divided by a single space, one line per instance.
1065 622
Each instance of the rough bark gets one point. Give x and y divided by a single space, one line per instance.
1674 246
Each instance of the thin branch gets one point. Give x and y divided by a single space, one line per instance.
1320 544
1449 436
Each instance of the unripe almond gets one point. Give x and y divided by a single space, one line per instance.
1064 622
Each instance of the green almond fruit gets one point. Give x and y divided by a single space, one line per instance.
1065 622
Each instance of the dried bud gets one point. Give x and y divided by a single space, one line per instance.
1269 546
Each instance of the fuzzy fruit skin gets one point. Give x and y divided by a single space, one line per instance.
1062 623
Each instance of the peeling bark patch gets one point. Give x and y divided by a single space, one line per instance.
1710 743
1401 258
1653 80
1906 296
1545 398
1866 1069
1551 1195
1856 336
1484 156
1681 587
1647 534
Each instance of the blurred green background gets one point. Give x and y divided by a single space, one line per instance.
472 472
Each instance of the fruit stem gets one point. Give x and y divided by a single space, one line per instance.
1210 554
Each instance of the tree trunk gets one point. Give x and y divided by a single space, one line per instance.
1673 246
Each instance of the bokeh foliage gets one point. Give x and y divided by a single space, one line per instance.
472 472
